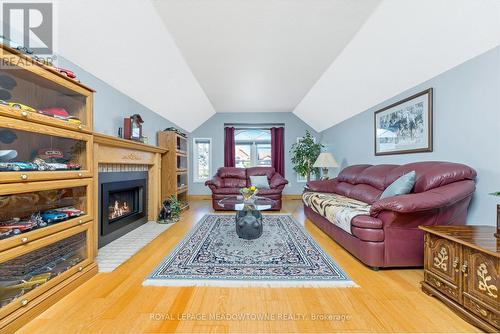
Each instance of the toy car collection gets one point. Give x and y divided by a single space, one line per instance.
53 216
20 106
18 226
17 166
70 211
66 72
5 232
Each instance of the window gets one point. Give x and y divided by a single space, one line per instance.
253 147
202 159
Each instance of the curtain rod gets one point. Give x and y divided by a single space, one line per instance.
254 125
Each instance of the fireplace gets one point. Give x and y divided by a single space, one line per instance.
122 203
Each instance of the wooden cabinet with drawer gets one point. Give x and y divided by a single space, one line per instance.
462 267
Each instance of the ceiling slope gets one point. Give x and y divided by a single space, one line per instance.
125 43
403 43
261 55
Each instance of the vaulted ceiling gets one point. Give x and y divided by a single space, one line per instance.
324 60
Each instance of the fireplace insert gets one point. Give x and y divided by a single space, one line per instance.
122 203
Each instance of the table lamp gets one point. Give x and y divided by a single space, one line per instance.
325 160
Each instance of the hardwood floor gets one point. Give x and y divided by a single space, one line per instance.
387 300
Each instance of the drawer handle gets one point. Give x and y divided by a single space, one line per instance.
80 174
80 268
80 127
24 302
438 284
24 113
24 177
24 240
465 267
80 221
483 312
455 264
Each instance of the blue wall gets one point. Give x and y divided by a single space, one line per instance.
466 129
214 128
111 106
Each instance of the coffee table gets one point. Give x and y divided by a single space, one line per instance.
248 216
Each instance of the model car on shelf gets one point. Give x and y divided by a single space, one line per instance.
6 155
60 113
31 283
66 72
20 106
70 211
16 166
18 226
42 165
53 216
5 232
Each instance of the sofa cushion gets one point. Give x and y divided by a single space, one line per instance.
375 176
227 191
256 171
349 174
402 186
232 172
432 174
337 209
364 193
234 183
259 181
266 192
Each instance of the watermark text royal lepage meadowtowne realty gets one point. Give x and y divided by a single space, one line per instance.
244 316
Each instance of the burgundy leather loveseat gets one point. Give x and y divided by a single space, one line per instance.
229 180
388 236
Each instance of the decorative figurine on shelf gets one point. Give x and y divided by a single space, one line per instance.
170 211
132 127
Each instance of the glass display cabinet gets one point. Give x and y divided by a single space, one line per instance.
27 272
47 233
29 153
43 208
32 91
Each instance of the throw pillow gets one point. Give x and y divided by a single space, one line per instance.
260 181
402 186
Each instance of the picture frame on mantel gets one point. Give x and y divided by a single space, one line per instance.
405 126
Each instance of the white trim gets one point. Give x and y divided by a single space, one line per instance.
196 179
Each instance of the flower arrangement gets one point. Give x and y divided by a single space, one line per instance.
249 192
496 193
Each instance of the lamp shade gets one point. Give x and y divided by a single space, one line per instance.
325 160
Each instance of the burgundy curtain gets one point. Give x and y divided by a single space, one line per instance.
229 147
278 150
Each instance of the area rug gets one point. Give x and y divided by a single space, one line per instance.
120 250
213 255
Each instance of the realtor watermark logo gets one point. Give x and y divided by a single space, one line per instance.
29 25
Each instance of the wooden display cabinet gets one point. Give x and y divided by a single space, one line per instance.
41 87
31 141
462 269
174 166
45 163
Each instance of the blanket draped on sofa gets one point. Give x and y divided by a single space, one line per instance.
339 210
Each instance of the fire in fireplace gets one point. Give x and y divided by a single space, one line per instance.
123 203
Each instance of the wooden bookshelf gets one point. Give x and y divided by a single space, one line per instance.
174 166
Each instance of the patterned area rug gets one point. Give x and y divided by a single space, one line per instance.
284 256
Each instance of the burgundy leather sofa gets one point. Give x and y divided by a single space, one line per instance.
229 180
389 235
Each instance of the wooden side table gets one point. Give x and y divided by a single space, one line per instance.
462 269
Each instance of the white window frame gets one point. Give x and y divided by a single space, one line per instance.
196 179
300 178
253 146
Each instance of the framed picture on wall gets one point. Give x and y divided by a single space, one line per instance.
405 126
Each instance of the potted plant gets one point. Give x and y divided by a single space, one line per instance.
498 215
303 155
